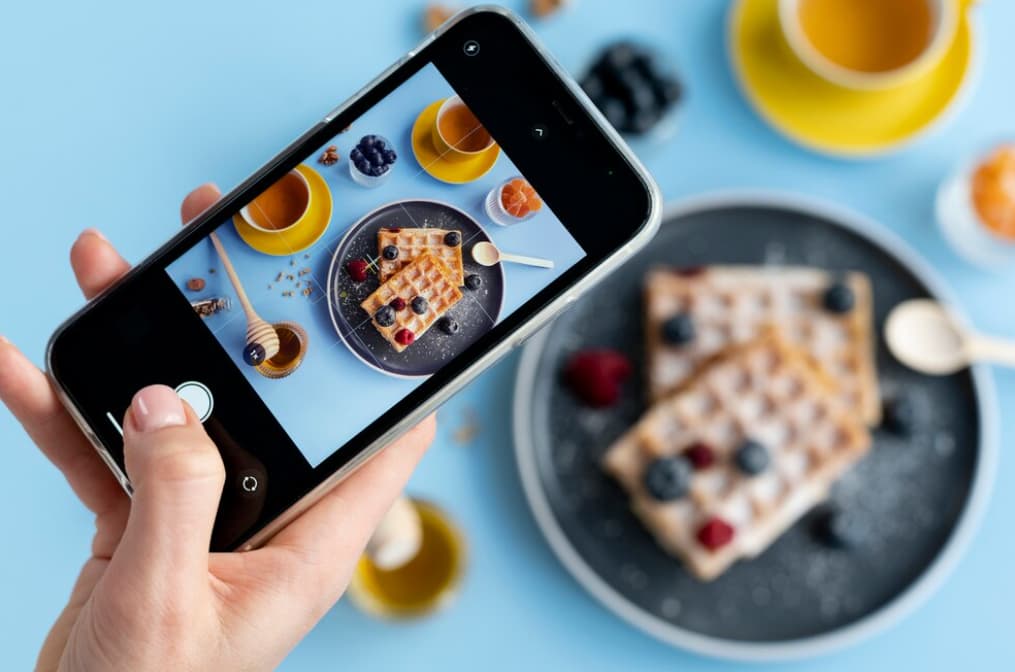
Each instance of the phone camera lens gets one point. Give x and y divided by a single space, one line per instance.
471 48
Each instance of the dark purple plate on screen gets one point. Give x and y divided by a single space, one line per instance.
476 313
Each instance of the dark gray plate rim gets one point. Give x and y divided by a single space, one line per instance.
896 609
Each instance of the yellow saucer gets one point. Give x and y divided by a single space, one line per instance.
298 238
452 172
828 118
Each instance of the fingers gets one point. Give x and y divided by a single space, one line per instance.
198 201
177 475
27 392
96 262
329 538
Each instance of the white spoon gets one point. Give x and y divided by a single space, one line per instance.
925 337
262 339
487 254
398 537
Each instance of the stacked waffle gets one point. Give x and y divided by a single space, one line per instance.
763 384
420 271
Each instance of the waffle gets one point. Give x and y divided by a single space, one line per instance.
767 391
731 305
413 242
426 276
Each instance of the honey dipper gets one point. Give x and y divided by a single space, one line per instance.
262 341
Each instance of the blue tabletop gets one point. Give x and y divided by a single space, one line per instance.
112 113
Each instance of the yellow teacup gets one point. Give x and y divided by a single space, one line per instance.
869 44
457 134
282 206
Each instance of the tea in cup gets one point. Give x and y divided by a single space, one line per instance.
457 134
281 206
869 44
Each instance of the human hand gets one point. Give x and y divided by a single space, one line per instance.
151 596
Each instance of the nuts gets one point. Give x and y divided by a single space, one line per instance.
543 8
329 157
434 16
195 284
208 307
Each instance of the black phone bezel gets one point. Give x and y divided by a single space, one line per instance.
593 188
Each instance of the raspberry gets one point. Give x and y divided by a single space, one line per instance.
715 533
690 271
357 269
398 303
395 229
404 337
595 376
700 455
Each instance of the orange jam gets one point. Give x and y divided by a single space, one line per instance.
993 191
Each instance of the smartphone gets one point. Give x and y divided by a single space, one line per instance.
336 297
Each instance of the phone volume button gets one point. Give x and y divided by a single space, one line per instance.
330 116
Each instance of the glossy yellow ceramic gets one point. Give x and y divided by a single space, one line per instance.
828 118
426 583
452 172
301 236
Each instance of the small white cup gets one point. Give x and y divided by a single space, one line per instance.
946 20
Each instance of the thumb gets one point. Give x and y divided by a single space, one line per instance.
177 476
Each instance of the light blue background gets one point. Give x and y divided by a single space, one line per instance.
139 103
333 395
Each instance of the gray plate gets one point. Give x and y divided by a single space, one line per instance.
798 597
477 312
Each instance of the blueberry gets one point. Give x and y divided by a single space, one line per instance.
356 155
900 416
645 65
614 111
367 141
452 239
389 156
473 281
253 354
385 316
838 298
668 90
390 252
449 326
679 329
375 157
669 478
380 145
638 93
362 165
621 55
837 528
643 121
592 85
377 171
419 305
751 457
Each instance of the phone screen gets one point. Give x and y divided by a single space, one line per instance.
397 244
